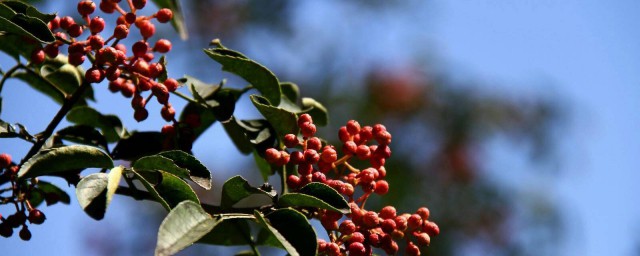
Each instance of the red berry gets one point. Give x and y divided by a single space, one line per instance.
161 93
388 212
139 4
155 69
349 148
94 75
113 73
142 67
291 140
140 114
382 187
139 48
121 31
343 134
353 127
162 46
347 227
168 113
423 212
144 84
383 138
96 25
293 182
138 102
37 56
366 133
348 189
116 85
128 89
318 177
54 23
96 42
297 157
307 129
66 22
314 143
329 155
5 230
305 169
311 156
52 50
36 216
130 18
414 222
431 228
164 15
76 58
363 152
423 239
147 29
370 219
171 84
357 249
107 6
74 30
5 160
356 237
148 57
388 225
272 155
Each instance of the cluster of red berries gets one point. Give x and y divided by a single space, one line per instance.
362 229
20 218
130 75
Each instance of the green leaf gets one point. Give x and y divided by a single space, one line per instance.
8 130
292 229
317 111
24 8
25 25
65 76
327 195
263 166
198 173
49 193
257 75
183 226
232 229
178 20
168 189
65 159
201 89
83 134
110 125
302 200
137 145
290 90
95 191
237 193
238 136
207 118
283 121
178 163
42 85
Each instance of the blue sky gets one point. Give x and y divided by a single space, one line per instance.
585 53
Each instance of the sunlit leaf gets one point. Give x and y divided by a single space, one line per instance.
183 226
65 159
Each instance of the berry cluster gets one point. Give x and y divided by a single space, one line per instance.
19 199
130 75
362 229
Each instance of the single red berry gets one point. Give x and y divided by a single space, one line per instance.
363 152
314 143
304 118
161 93
116 85
94 75
329 224
305 169
391 248
168 129
54 23
5 230
148 57
311 156
107 6
284 159
5 160
76 48
96 25
383 138
66 22
318 177
423 239
122 48
96 42
121 31
423 212
431 228
356 237
368 187
366 133
412 249
52 50
388 225
293 182
155 69
353 127
128 89
76 58
147 29
168 113
329 155
349 148
308 129
401 223
107 55
414 222
370 219
142 67
388 212
162 46
140 114
37 56
333 249
272 155
297 157
348 189
145 84
130 18
86 8
170 83
291 140
36 216
357 249
25 234
113 73
382 187
139 4
139 48
138 101
343 134
164 15
347 227
74 30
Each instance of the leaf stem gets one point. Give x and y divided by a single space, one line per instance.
66 107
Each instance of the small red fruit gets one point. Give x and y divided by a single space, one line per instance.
164 15
5 160
162 46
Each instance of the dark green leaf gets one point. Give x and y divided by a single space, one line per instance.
24 8
14 46
8 130
237 193
302 200
178 20
292 229
45 190
238 136
168 189
83 134
110 125
283 121
24 25
263 166
290 90
257 75
326 194
266 238
231 230
137 145
95 191
198 173
201 89
65 76
159 163
206 116
183 226
317 111
65 159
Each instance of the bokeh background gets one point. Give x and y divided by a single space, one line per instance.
514 121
